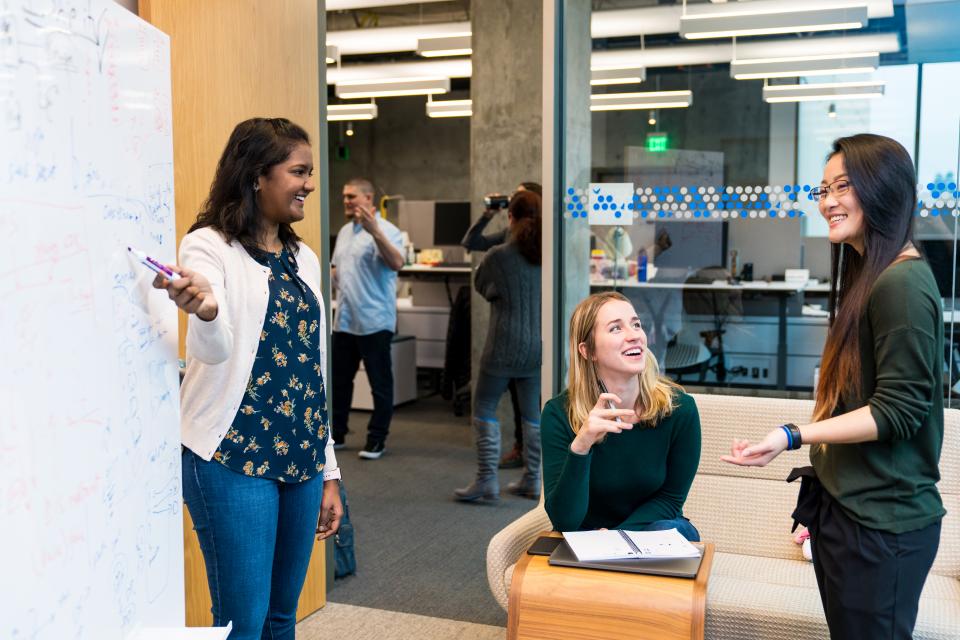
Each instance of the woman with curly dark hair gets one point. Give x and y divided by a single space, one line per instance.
259 475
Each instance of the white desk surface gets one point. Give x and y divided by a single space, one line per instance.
758 285
439 270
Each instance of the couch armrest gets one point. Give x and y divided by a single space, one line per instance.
506 546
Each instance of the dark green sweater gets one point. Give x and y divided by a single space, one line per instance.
890 484
625 482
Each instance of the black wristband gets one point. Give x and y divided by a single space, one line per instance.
795 435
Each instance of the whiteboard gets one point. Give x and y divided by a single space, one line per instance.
91 539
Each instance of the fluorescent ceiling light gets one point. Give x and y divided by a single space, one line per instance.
333 54
358 111
390 87
725 23
821 65
343 5
824 91
617 75
437 46
641 100
603 24
391 39
668 56
449 108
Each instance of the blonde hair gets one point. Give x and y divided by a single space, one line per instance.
655 400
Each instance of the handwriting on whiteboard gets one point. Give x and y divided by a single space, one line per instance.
89 449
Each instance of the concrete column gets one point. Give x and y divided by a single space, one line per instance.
505 129
574 274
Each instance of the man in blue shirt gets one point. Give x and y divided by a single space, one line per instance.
365 262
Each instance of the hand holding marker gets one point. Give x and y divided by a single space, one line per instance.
153 265
189 290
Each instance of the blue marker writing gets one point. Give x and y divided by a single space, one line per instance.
153 265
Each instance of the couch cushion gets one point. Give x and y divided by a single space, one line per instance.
744 516
754 597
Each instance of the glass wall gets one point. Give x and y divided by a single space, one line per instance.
691 192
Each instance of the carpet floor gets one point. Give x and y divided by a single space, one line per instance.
419 551
349 622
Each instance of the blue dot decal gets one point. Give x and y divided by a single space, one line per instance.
596 207
617 214
570 207
931 186
571 191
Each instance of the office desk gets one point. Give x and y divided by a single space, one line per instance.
568 602
415 270
782 290
443 272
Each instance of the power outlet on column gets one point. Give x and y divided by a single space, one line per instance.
755 369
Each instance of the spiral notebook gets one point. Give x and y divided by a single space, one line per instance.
665 553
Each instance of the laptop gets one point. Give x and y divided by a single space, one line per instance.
563 556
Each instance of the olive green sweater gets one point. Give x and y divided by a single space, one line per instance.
890 484
627 481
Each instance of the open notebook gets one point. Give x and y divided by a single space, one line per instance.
588 546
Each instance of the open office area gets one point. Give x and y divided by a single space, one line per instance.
480 319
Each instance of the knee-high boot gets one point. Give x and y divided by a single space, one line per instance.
486 486
529 485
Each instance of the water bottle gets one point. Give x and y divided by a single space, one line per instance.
642 266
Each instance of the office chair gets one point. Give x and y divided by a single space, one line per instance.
708 355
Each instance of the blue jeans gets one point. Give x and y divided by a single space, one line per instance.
681 524
256 536
489 389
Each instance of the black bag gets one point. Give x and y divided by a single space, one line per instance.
345 562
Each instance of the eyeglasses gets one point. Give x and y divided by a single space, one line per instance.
837 188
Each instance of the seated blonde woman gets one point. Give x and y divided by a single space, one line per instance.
621 445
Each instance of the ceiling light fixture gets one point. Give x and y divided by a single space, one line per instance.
449 108
822 65
724 23
641 100
823 91
333 54
617 75
391 87
348 112
448 45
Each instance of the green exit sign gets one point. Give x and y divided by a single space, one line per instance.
657 142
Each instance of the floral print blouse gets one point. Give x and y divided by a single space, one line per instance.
280 430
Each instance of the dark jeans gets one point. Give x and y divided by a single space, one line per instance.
347 352
517 414
681 524
256 536
870 580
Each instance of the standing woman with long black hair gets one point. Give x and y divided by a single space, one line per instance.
870 500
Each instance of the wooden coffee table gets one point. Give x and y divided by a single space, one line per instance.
548 602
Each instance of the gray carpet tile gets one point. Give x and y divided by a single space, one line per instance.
418 551
348 622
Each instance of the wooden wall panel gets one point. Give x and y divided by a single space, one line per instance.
232 60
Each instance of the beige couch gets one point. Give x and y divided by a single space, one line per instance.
760 585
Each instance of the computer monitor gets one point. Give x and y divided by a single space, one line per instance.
939 255
693 245
450 222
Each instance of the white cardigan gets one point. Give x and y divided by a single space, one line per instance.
220 353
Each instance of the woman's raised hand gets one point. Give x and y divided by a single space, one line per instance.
602 421
191 292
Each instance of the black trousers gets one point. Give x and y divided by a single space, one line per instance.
347 351
870 580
